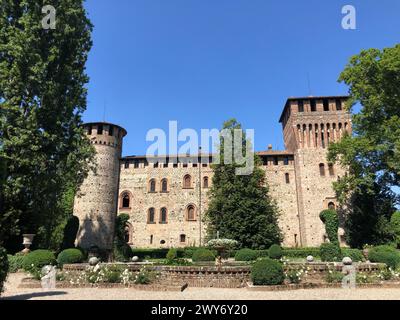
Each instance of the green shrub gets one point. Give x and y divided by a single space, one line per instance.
395 225
38 259
334 276
246 255
355 254
69 256
112 274
331 220
3 268
121 250
301 252
15 263
172 254
275 252
385 254
203 255
267 272
330 252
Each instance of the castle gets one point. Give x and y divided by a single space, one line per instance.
166 200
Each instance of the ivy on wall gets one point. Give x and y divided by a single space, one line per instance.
330 219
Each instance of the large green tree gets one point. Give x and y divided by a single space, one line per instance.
372 153
240 207
42 98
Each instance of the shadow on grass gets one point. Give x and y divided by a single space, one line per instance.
28 296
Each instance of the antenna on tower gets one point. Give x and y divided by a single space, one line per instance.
104 110
309 84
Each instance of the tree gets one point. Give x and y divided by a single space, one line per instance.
240 207
395 225
42 98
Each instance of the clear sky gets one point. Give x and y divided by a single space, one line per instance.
201 62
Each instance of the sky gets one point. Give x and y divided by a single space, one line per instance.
202 62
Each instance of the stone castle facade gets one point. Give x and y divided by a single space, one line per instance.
166 200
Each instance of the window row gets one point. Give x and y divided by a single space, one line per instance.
144 163
187 184
327 106
182 239
190 215
322 170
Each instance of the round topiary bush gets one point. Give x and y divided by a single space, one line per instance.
69 256
3 268
355 254
275 252
38 259
385 254
267 272
203 255
172 254
246 255
330 252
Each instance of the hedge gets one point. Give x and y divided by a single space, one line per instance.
301 252
203 255
330 252
385 254
15 263
69 256
246 255
38 259
267 272
355 254
3 268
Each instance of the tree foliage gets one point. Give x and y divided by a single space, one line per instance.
331 221
240 207
42 98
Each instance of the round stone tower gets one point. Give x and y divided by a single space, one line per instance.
96 202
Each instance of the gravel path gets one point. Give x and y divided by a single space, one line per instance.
12 292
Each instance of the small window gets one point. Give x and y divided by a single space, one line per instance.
175 165
151 239
126 201
162 242
301 106
165 165
185 165
194 165
286 161
126 164
276 161
338 105
100 129
187 182
89 130
136 164
110 130
164 185
287 178
331 170
191 214
204 165
163 215
322 170
151 216
313 105
326 105
182 238
155 165
331 206
152 185
205 182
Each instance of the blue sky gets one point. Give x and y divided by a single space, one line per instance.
201 62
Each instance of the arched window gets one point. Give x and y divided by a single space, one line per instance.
128 233
182 238
163 215
205 182
287 178
187 182
191 213
331 206
151 216
322 170
152 185
331 169
164 185
126 201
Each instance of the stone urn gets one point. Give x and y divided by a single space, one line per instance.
27 242
365 253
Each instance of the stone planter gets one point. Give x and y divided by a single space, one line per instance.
27 242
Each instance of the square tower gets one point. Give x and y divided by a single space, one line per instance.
310 125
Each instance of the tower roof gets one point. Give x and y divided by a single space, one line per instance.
108 124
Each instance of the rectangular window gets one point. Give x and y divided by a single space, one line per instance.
100 129
326 105
204 165
276 161
338 105
313 105
286 161
301 105
110 130
136 164
175 165
126 164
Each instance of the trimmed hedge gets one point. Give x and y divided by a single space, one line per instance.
69 256
3 268
203 255
331 220
301 252
15 263
275 252
38 259
355 254
246 255
330 252
385 254
267 272
172 254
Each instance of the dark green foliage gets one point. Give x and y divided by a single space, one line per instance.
368 218
301 252
395 226
246 255
172 254
69 256
203 255
355 254
330 252
267 272
240 206
38 259
3 267
70 232
331 221
42 98
122 251
385 254
15 263
275 252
